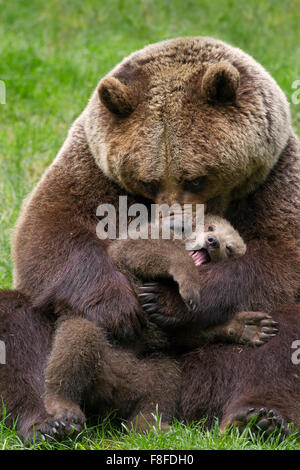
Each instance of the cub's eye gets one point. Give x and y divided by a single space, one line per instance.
210 228
229 250
195 185
149 188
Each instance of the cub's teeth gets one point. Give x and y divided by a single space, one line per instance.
197 257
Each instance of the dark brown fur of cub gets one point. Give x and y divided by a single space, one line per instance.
85 368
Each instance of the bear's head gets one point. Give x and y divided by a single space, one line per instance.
189 120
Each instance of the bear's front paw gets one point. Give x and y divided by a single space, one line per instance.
164 308
122 314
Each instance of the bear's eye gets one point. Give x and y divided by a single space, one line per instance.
149 188
210 228
229 250
195 185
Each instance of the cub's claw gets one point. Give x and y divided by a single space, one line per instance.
254 328
191 305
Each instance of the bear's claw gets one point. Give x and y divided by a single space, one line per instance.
58 428
260 420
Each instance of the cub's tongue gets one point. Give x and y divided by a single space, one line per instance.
200 257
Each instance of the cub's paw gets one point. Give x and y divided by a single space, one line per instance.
260 420
252 328
190 294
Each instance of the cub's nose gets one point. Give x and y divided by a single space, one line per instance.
212 242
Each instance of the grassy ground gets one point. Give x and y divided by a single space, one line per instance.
52 55
194 437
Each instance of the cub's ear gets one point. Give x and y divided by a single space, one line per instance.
220 82
116 96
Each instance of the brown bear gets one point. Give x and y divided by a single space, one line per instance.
178 257
84 368
189 120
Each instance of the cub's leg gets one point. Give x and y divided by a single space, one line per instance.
84 367
156 259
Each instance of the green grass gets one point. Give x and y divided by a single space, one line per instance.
52 55
193 437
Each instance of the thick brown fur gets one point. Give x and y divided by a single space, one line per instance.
85 371
27 334
160 258
84 368
238 156
239 379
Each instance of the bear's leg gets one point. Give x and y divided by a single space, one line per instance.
74 365
274 415
233 383
84 368
159 383
143 387
25 336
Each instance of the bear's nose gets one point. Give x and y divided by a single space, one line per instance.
212 242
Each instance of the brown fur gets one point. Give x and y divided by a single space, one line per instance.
220 83
84 368
238 157
156 259
242 379
116 96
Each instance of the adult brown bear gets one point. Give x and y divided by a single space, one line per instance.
186 120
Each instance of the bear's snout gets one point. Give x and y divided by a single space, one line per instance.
212 242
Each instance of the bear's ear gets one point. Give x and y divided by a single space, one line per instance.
220 82
116 96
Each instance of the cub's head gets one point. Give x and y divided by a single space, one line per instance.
219 241
189 120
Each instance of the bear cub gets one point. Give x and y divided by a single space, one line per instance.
86 368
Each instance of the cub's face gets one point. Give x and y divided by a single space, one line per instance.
217 242
188 121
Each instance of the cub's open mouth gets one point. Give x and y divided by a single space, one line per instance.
200 256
